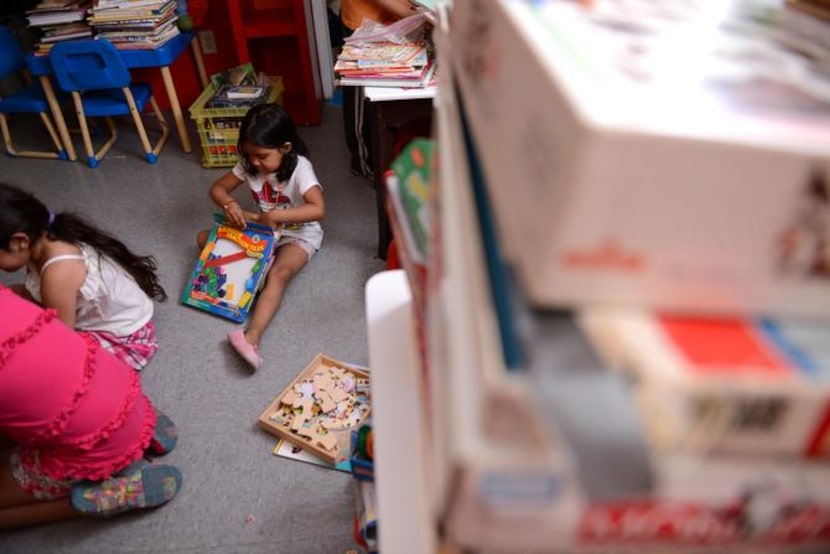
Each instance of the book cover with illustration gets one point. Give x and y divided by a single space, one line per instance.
409 189
285 449
230 269
752 385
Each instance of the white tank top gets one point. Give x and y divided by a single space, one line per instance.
109 299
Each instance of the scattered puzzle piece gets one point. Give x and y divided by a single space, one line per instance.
324 399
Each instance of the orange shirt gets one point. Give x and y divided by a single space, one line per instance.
352 12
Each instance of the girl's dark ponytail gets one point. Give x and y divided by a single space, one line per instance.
21 212
69 227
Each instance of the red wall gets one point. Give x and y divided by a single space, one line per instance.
185 75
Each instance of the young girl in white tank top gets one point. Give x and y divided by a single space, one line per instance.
93 280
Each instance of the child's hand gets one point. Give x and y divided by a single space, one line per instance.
271 218
234 214
253 217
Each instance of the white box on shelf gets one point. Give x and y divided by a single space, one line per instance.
668 157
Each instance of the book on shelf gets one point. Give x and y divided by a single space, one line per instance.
410 189
66 32
422 80
150 42
742 385
228 96
366 515
409 53
245 92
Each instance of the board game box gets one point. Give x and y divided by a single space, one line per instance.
230 270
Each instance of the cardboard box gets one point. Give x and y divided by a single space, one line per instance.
700 505
651 157
319 407
744 386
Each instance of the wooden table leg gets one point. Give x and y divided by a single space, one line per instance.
200 63
181 127
57 115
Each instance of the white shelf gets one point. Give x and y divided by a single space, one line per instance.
388 94
401 453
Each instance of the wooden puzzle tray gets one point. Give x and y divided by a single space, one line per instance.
327 398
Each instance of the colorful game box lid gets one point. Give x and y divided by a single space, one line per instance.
230 269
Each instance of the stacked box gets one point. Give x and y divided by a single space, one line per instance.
652 154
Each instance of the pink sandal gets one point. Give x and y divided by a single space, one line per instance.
248 351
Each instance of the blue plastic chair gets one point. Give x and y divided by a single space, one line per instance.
94 73
29 99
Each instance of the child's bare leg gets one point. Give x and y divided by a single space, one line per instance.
47 511
18 508
201 238
289 260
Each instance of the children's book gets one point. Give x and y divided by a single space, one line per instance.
410 191
241 75
285 449
366 514
249 92
231 96
230 269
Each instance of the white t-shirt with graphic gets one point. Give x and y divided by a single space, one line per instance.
270 194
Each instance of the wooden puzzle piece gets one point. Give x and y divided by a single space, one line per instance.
337 394
289 398
307 430
338 373
348 383
305 389
327 441
321 381
326 403
300 419
307 406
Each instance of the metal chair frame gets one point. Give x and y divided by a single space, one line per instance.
29 99
92 71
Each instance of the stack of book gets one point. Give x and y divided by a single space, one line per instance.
58 20
135 24
395 55
384 64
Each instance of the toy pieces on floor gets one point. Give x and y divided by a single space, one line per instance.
230 269
319 408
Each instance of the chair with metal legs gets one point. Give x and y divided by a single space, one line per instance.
100 84
29 99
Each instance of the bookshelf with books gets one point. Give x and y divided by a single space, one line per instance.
531 434
273 36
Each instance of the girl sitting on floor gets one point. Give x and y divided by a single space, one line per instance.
275 169
74 425
96 284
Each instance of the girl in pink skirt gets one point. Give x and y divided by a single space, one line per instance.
74 425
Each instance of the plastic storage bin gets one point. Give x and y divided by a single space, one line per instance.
218 128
